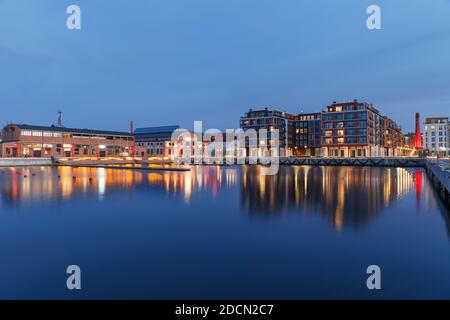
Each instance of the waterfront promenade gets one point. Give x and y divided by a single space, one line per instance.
25 162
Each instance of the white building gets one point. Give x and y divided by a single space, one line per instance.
436 136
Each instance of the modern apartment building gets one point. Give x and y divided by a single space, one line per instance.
436 136
307 134
392 139
22 140
271 119
347 129
357 129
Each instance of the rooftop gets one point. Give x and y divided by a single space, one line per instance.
156 130
68 130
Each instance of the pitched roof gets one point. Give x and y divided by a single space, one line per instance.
156 130
70 130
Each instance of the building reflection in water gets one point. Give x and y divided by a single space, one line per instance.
347 195
34 184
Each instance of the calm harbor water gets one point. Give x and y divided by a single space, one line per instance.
222 232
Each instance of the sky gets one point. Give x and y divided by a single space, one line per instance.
163 62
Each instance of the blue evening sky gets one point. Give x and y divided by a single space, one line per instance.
164 62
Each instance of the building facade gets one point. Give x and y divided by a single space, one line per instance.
347 129
307 134
155 141
392 139
271 119
21 140
436 136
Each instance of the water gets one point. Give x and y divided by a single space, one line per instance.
222 232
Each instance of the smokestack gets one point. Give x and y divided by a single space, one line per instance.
59 118
417 135
132 127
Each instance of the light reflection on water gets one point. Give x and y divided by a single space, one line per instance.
347 195
222 232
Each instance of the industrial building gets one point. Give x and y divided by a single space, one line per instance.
155 141
23 140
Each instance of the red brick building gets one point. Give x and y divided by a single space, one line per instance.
21 140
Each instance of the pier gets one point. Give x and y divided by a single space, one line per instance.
25 162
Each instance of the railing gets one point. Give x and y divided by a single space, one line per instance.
359 161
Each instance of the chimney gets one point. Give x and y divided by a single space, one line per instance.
60 119
131 127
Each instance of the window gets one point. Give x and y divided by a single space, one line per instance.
26 133
37 134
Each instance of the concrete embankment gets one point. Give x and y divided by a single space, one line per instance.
25 162
439 174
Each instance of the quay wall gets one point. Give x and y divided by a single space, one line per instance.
23 162
439 175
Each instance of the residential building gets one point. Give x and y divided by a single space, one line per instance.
270 119
22 140
392 139
307 134
357 129
436 136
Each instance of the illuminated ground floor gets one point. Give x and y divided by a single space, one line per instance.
363 151
47 150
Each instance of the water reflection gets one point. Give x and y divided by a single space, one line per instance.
350 196
25 185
